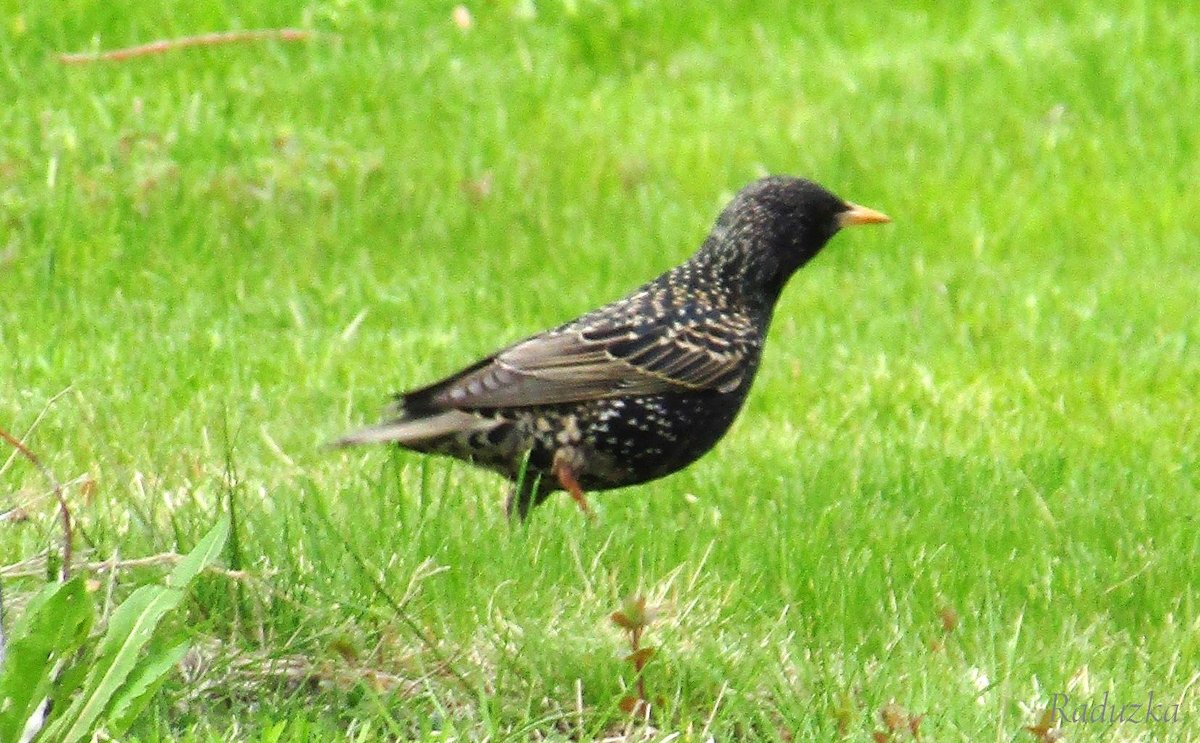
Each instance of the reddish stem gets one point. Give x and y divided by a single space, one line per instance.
635 642
64 513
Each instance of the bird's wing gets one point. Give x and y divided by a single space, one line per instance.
610 358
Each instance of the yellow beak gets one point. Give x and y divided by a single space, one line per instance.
856 214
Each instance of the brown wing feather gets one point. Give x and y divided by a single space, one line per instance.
573 364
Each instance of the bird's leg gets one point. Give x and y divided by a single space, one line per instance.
565 473
519 503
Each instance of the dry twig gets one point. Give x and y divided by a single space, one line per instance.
185 42
37 566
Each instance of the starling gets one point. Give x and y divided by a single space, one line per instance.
639 388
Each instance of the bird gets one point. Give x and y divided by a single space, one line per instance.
641 387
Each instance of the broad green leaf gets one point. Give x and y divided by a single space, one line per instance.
142 684
129 630
34 613
66 684
205 551
55 623
274 733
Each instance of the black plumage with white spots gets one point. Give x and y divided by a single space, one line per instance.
641 387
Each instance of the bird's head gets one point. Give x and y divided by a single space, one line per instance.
774 226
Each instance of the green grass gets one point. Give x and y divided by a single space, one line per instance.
215 261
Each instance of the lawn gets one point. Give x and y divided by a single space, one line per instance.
967 478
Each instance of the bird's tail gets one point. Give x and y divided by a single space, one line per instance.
409 431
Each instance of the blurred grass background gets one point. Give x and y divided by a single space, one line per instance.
213 261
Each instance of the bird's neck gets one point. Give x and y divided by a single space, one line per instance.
752 279
725 283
